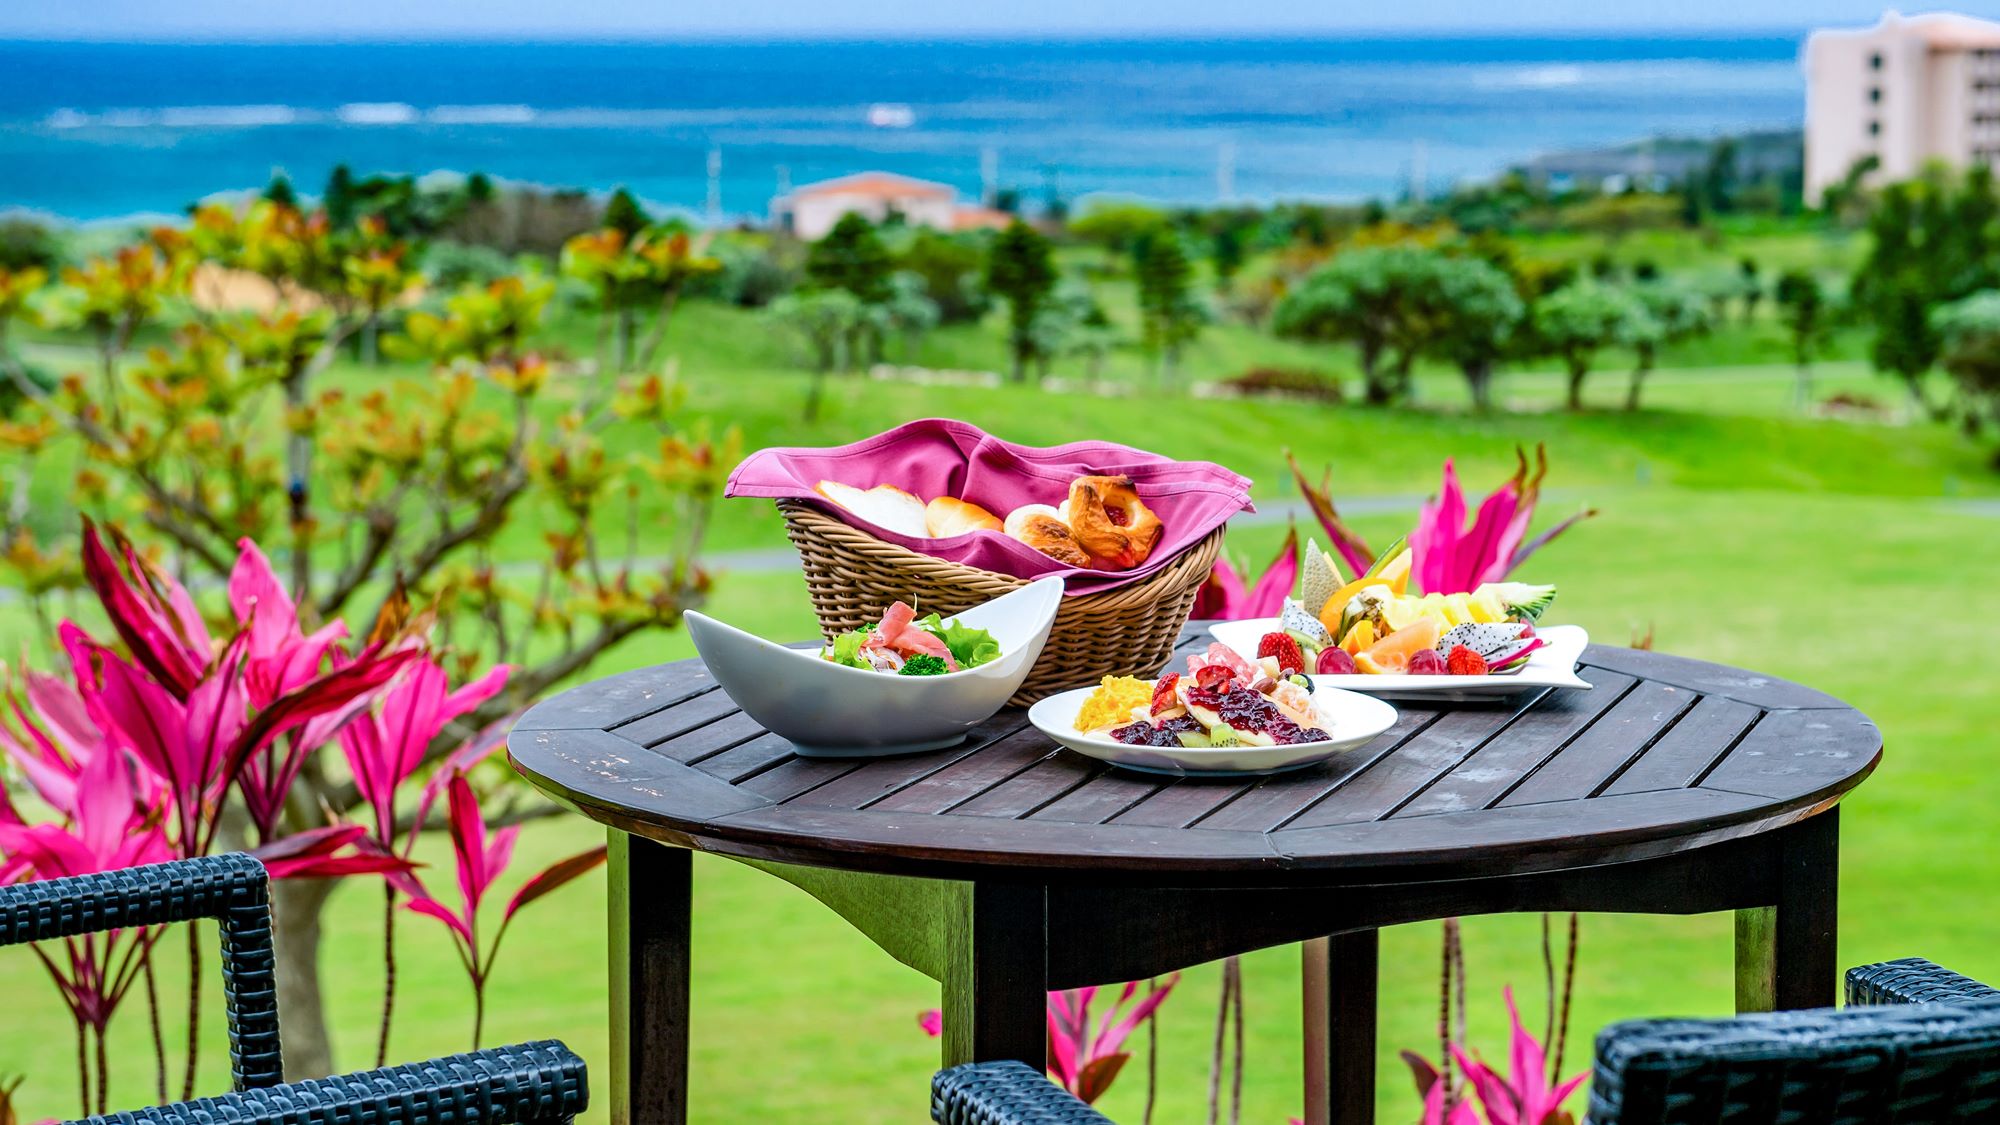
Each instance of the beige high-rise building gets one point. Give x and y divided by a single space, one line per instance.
1910 90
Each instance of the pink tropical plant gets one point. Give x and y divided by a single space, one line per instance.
1451 558
385 748
1224 598
1085 1057
1527 1096
105 829
481 857
181 719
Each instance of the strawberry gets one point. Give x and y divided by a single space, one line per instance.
1281 645
1213 676
1164 698
1336 662
1465 662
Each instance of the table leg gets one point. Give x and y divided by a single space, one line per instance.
650 886
996 981
1339 974
1786 954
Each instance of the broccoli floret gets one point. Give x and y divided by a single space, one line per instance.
922 664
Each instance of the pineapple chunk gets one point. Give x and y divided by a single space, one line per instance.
1457 609
1485 605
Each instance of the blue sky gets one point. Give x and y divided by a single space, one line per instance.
224 19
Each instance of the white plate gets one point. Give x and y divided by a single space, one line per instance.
830 710
1552 665
1352 720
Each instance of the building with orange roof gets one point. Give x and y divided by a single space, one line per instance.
1905 92
810 210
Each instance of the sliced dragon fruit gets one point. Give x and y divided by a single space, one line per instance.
1515 659
1295 619
1489 640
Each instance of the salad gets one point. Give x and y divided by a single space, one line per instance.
1222 700
905 645
1374 626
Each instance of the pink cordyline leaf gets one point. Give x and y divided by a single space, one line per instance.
1525 1097
1220 595
162 631
1435 539
385 747
315 854
932 1022
1353 550
555 875
460 761
1223 598
1451 559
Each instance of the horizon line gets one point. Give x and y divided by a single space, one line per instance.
440 37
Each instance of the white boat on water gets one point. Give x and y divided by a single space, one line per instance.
891 115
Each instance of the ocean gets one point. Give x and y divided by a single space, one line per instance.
91 131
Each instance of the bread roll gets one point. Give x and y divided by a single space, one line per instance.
948 515
1037 526
885 506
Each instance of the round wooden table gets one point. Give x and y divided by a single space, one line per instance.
1008 866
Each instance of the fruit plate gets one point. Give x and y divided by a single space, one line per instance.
1551 666
1352 719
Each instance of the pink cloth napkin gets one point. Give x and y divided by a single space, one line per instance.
942 457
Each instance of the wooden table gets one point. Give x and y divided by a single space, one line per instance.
1008 866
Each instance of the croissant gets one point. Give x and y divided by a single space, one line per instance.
1114 527
1040 527
948 515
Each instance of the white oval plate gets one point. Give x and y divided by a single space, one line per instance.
1551 666
1353 720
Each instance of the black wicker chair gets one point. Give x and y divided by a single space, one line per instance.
532 1084
1917 1045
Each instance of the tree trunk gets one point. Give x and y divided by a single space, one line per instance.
1636 387
298 471
1479 380
1804 392
1576 373
295 914
1374 390
371 331
621 355
813 392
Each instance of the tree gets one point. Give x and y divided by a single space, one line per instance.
623 214
279 191
1670 313
824 322
1169 315
222 431
634 277
1118 227
1905 343
1472 311
338 199
1801 304
1363 297
1969 329
1021 270
950 268
909 311
1577 320
1753 287
853 257
1226 254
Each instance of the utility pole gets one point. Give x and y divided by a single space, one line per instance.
715 186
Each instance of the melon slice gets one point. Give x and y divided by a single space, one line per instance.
1392 653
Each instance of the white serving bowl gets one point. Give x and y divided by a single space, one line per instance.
830 710
1350 719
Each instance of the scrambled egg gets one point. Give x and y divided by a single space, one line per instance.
1112 703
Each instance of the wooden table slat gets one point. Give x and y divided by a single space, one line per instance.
1533 737
1275 801
1619 736
1686 753
1054 776
878 778
697 711
710 739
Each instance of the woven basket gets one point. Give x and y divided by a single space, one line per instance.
1129 631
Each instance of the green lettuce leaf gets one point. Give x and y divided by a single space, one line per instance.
846 648
970 647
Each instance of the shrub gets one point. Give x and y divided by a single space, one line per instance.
1292 382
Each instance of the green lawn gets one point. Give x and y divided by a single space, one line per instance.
1831 552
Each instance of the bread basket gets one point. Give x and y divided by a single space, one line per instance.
1129 630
